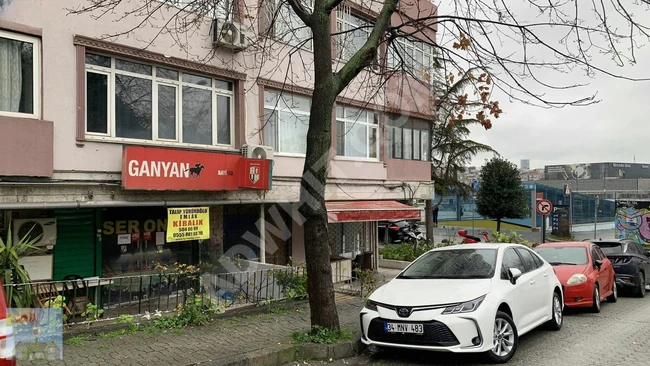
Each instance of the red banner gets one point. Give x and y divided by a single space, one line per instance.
151 168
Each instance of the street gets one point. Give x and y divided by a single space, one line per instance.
619 335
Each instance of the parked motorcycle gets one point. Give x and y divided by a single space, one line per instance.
413 234
470 239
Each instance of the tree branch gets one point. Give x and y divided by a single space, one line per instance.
300 11
367 53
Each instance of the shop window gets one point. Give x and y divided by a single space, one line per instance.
130 100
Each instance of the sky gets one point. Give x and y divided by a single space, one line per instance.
613 130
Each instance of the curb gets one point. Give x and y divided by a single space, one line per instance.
284 354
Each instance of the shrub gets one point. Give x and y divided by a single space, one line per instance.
321 335
293 281
513 237
405 252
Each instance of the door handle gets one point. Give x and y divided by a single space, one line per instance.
532 282
545 274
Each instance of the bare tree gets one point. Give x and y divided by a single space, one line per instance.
477 35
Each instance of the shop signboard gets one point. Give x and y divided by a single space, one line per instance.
190 223
163 169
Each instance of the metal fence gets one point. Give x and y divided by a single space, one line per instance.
153 293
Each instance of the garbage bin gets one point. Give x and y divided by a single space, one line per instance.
366 263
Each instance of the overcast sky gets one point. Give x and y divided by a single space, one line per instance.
613 130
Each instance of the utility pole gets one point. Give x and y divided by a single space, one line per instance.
596 215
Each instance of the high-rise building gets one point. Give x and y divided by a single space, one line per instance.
525 164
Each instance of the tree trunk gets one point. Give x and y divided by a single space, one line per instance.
312 186
428 212
498 225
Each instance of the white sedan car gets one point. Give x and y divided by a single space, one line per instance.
465 298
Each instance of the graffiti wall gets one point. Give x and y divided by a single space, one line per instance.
633 221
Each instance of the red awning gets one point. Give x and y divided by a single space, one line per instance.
358 211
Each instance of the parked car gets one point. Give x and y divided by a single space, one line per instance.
631 263
7 346
586 274
468 298
398 231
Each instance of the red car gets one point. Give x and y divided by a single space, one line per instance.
587 276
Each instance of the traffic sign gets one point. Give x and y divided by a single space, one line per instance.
544 207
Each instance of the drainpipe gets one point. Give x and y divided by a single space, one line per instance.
100 204
262 234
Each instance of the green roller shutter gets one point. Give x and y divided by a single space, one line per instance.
74 252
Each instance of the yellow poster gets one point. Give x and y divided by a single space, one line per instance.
191 223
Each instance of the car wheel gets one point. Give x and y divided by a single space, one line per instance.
505 339
614 296
596 306
557 319
640 284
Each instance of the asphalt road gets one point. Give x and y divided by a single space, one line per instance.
619 335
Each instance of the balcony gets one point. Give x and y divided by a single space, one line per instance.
26 147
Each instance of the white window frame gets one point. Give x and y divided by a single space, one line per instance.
287 12
368 123
409 46
156 81
348 22
36 57
279 107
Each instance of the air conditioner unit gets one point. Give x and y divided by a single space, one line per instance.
33 228
257 152
230 35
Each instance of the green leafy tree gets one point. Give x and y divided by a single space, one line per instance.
501 194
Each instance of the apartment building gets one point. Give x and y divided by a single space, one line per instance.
101 136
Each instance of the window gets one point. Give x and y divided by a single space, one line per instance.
356 133
511 260
600 253
613 247
408 140
565 256
284 24
220 9
20 75
413 56
132 100
354 33
286 119
528 258
453 264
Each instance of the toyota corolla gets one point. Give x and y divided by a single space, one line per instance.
477 298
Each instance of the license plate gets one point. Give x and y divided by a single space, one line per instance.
404 328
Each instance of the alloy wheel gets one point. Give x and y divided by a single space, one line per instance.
557 308
597 298
615 291
504 338
642 279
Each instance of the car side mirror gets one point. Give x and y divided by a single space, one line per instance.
598 263
513 275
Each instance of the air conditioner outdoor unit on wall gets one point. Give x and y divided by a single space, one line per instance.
257 152
230 35
33 228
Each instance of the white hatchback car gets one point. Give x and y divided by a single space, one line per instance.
466 298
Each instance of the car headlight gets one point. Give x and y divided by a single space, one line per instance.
466 307
576 279
371 305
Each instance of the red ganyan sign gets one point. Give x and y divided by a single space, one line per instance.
151 168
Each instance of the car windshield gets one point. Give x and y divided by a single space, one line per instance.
611 248
453 264
564 256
